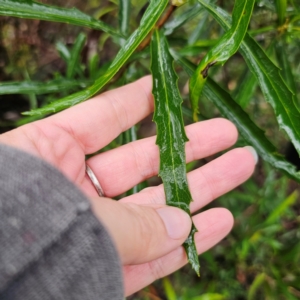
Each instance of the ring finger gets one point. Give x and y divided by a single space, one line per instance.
120 169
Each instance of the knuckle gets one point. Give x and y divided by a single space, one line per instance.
156 269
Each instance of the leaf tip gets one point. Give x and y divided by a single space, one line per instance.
196 267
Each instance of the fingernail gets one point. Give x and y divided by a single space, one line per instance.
253 152
177 222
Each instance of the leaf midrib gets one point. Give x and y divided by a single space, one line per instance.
169 121
233 29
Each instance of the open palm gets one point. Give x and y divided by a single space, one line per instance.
66 138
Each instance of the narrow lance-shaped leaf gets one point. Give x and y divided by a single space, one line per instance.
75 53
40 11
252 134
69 55
152 14
286 68
245 89
169 289
255 285
124 15
31 96
247 86
28 87
281 10
269 78
192 50
171 137
282 207
63 51
223 50
200 30
181 19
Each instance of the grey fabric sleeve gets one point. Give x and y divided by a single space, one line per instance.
51 245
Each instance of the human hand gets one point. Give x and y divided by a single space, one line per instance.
136 224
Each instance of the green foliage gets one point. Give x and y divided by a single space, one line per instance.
246 89
75 54
259 259
269 77
170 293
150 17
250 132
222 51
39 88
101 46
124 15
168 119
281 6
181 19
36 10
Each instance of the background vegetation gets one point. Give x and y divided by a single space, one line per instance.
43 61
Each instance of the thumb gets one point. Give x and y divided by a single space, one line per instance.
142 233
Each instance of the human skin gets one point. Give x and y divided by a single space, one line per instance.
148 234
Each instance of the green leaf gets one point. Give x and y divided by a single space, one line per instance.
253 135
171 137
72 59
152 14
247 86
63 51
75 53
28 87
210 296
168 289
192 50
269 78
182 18
36 10
281 10
124 16
31 96
223 50
257 282
93 65
104 10
201 29
286 69
282 207
245 90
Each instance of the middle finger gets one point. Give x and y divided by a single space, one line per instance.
120 169
208 182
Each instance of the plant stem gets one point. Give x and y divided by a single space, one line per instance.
159 24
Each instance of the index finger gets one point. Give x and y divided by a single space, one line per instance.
96 122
